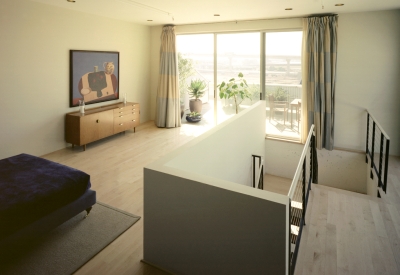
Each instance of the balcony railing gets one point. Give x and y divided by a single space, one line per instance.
291 91
306 173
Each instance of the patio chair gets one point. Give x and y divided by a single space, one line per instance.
280 106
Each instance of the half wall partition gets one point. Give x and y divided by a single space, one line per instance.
201 213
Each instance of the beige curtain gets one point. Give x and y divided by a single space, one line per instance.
167 105
319 78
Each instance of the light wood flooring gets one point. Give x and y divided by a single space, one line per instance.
115 165
351 233
277 184
346 233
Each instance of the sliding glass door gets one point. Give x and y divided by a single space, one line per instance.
269 62
196 65
283 84
238 53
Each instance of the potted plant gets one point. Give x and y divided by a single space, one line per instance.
193 117
196 90
236 89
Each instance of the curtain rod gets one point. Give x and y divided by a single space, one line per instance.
252 20
321 15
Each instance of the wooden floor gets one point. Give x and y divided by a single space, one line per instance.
115 165
351 233
277 184
346 233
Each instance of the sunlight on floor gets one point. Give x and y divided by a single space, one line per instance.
208 121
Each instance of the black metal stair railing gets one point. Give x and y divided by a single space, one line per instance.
377 149
258 172
306 173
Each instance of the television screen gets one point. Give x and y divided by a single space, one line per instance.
94 76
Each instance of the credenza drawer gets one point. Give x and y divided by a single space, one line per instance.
125 122
123 114
127 109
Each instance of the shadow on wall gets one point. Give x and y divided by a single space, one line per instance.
342 169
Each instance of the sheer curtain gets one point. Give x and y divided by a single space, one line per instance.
319 75
167 105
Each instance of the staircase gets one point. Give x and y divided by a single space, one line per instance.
352 233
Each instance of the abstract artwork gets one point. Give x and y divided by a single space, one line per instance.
94 76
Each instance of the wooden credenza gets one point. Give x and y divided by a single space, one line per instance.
101 122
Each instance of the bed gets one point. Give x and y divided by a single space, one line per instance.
37 195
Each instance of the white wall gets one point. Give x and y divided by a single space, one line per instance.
195 196
192 227
155 65
368 77
282 158
225 151
341 169
34 49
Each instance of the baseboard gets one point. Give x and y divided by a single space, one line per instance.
155 266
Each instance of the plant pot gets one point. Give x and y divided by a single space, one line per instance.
195 105
193 118
182 110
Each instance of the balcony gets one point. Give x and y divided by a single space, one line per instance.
284 121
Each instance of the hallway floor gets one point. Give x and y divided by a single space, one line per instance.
351 233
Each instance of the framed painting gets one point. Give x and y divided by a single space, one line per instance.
94 76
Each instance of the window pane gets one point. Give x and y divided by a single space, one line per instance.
283 83
238 53
196 63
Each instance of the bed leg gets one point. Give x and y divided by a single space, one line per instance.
88 211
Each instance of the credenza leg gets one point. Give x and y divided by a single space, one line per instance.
134 129
84 147
73 146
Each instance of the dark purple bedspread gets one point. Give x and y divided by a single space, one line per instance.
32 187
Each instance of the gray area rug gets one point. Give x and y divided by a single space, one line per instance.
68 247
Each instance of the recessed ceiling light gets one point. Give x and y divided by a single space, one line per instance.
71 1
288 9
339 5
216 14
150 20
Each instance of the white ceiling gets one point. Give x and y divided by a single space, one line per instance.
179 12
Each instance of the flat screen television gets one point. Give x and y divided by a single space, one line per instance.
94 76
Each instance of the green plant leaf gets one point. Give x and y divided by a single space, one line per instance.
196 88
